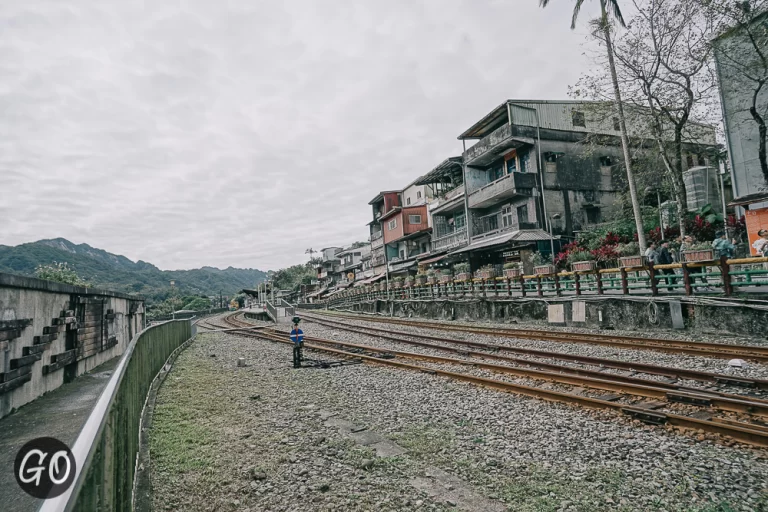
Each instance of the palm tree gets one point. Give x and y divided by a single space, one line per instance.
605 26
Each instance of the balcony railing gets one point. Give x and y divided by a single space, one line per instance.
375 236
450 241
508 186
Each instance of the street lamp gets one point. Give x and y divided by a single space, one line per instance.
658 204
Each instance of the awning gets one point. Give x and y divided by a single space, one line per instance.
757 197
320 292
433 259
371 280
527 235
397 267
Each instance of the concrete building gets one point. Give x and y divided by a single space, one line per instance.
736 57
530 172
446 207
329 269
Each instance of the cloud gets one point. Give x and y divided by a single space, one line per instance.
242 133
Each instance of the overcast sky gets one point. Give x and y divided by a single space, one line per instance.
242 132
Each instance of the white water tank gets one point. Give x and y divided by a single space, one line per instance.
702 186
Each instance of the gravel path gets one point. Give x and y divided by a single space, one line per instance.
267 437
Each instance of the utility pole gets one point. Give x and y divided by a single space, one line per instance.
221 300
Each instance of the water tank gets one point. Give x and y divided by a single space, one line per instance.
702 186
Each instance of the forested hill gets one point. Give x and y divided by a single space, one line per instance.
113 272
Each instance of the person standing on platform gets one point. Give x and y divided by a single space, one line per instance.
665 258
297 337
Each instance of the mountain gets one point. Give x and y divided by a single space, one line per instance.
114 272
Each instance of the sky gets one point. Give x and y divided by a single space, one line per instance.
243 132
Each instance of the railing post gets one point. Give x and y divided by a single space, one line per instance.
558 292
624 282
577 283
509 287
652 277
598 282
522 284
725 275
484 285
538 285
687 279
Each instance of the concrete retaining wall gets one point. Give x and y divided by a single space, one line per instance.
604 313
51 332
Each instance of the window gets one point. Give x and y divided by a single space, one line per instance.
423 248
414 219
408 200
550 161
578 118
506 217
511 165
418 194
525 161
496 172
392 224
522 213
402 254
701 160
606 161
616 124
689 160
459 221
593 215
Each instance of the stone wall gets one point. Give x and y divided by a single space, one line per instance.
50 333
595 313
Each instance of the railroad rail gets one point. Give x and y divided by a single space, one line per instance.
714 350
493 348
751 433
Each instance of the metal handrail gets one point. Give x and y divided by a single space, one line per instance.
105 452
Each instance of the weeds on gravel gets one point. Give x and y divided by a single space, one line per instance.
425 440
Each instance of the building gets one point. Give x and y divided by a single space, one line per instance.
530 174
741 72
735 53
383 203
352 263
329 269
446 207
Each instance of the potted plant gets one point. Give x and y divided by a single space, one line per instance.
512 270
629 255
462 271
382 286
432 276
697 252
421 278
581 261
409 281
487 272
397 282
541 264
446 276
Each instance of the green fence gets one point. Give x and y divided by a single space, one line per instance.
107 446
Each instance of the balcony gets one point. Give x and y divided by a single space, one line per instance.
452 200
450 241
511 185
377 240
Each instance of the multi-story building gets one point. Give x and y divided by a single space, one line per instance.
530 172
742 70
329 269
383 203
352 262
446 208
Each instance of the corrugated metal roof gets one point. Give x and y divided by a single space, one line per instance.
445 168
526 235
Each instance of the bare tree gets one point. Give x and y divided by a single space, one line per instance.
664 70
742 52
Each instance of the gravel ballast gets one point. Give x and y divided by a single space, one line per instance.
268 437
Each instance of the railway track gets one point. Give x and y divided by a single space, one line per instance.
714 350
684 409
493 348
